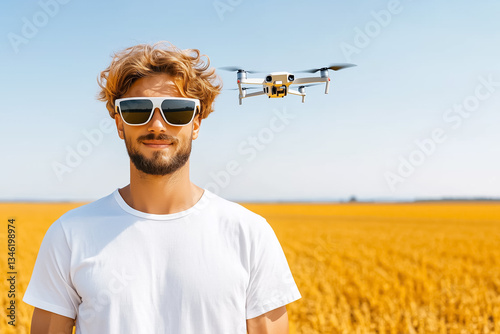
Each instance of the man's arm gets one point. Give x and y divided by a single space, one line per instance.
45 322
272 322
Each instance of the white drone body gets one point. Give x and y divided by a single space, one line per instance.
278 84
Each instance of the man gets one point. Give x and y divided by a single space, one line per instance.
160 255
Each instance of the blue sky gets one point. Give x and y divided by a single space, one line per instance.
417 118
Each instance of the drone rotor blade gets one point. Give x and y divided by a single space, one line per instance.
309 85
236 69
334 67
312 70
244 88
230 68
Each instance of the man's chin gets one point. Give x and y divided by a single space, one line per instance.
159 165
159 162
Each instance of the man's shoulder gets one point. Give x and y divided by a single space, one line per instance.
230 206
78 220
233 211
99 207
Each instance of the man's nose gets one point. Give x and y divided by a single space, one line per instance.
157 123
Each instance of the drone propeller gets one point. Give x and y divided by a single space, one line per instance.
235 69
245 88
309 85
334 67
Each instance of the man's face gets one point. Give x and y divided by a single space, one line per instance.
157 148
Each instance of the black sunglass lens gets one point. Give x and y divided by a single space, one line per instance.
178 112
136 111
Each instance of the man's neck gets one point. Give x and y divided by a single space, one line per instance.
163 194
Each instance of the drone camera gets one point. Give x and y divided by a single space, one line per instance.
291 77
269 78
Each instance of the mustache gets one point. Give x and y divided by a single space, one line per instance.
161 136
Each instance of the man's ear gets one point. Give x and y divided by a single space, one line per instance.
119 125
196 126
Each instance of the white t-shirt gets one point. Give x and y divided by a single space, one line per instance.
119 270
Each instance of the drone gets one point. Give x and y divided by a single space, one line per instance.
277 84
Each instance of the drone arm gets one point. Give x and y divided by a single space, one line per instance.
252 81
255 94
241 97
295 92
299 81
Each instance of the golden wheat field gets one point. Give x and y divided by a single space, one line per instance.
361 268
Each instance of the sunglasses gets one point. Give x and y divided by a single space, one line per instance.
176 111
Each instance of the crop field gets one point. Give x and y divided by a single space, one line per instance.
428 267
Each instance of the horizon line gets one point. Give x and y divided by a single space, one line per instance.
298 201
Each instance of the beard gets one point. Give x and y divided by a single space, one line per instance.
159 163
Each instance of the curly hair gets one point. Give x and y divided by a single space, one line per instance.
191 74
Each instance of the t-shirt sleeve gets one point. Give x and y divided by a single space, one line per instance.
50 287
271 282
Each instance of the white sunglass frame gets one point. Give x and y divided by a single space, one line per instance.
157 101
